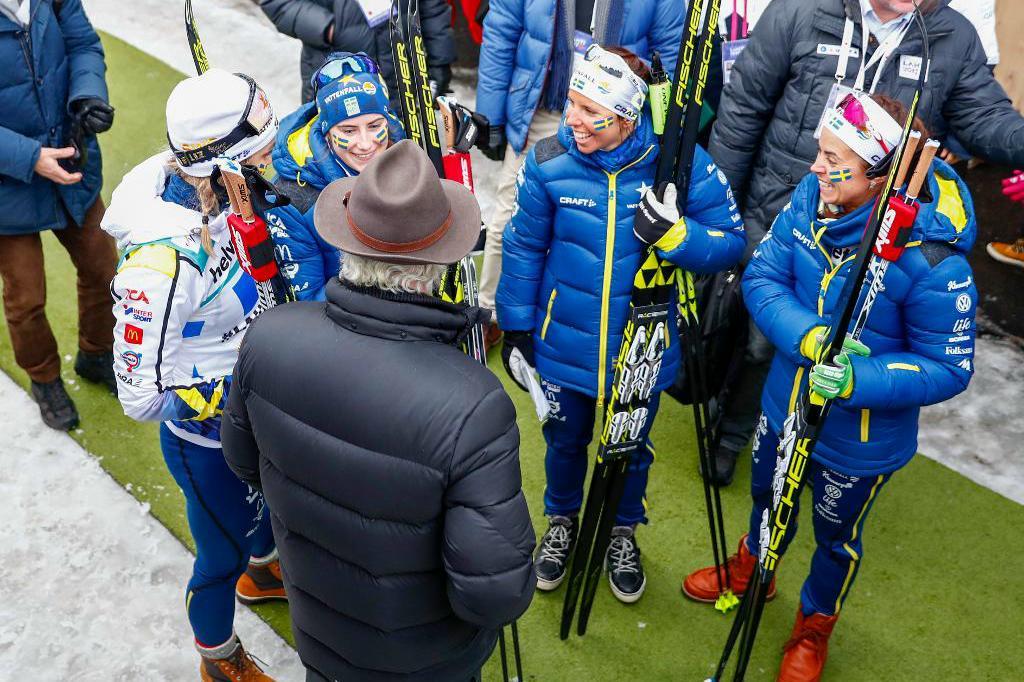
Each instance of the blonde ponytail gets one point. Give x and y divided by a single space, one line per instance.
209 204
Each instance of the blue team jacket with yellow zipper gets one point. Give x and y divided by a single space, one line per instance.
920 331
570 255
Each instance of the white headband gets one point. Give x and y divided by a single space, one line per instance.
870 136
607 79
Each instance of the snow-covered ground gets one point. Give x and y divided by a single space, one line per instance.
93 585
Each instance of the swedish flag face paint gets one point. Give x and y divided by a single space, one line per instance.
843 175
339 141
604 123
381 135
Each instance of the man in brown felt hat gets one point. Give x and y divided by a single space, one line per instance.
388 458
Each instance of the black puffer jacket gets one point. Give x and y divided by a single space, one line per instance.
308 20
390 464
764 139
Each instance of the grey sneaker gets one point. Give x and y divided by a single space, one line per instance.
625 572
553 553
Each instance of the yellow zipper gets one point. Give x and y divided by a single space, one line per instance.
606 284
547 317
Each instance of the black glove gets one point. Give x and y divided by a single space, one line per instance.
517 341
495 142
655 217
440 79
93 114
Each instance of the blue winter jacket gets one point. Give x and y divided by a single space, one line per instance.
516 51
45 67
920 331
570 254
305 165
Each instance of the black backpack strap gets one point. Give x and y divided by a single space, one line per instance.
302 196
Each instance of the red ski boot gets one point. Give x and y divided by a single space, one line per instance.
807 648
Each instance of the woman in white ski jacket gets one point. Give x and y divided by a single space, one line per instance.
182 303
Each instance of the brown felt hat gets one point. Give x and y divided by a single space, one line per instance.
397 210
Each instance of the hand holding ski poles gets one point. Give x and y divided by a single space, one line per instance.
657 217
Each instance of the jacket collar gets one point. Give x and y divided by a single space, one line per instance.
830 16
400 317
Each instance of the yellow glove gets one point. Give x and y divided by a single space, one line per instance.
810 345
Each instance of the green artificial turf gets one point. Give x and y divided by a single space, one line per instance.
939 596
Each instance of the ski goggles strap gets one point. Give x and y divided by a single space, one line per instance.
256 117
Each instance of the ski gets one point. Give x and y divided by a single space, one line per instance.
885 236
646 334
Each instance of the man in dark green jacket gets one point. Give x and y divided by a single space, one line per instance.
53 102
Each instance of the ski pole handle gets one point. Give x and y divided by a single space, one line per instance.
449 123
908 157
249 234
921 171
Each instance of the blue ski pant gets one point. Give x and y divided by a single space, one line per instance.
568 432
841 504
229 523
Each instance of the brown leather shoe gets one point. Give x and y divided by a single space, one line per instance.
807 648
261 583
702 584
238 667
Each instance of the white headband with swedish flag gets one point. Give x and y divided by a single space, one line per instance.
606 78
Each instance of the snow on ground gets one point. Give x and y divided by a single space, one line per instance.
93 586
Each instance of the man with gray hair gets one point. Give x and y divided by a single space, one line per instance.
388 458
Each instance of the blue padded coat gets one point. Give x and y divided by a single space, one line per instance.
46 66
570 255
516 51
920 331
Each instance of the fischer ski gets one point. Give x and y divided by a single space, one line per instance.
885 237
648 329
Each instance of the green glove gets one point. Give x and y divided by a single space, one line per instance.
835 379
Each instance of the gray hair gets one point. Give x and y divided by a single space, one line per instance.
407 278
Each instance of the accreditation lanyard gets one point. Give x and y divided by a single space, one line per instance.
880 57
739 26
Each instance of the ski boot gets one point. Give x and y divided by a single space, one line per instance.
260 583
552 559
702 584
237 666
723 464
625 572
55 405
807 648
97 368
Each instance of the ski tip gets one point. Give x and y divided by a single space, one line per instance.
726 602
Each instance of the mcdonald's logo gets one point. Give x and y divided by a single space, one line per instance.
132 334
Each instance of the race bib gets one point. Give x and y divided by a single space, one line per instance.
376 12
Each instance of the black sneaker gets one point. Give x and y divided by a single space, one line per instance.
554 551
98 368
625 573
55 405
724 463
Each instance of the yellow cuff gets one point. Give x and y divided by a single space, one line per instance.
809 344
675 236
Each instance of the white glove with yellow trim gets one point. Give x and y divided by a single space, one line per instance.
657 216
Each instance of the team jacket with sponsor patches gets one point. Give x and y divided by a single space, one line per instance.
920 331
181 312
570 254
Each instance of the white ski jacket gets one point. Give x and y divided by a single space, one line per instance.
181 313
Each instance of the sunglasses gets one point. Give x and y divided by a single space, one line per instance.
338 63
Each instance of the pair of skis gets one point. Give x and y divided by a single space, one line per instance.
885 237
459 284
651 323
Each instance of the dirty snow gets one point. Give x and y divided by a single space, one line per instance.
93 586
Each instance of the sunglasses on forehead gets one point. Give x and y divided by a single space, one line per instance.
337 64
256 117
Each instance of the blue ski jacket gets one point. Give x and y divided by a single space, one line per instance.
570 254
48 64
305 165
920 331
516 52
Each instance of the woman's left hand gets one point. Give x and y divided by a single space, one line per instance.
654 216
